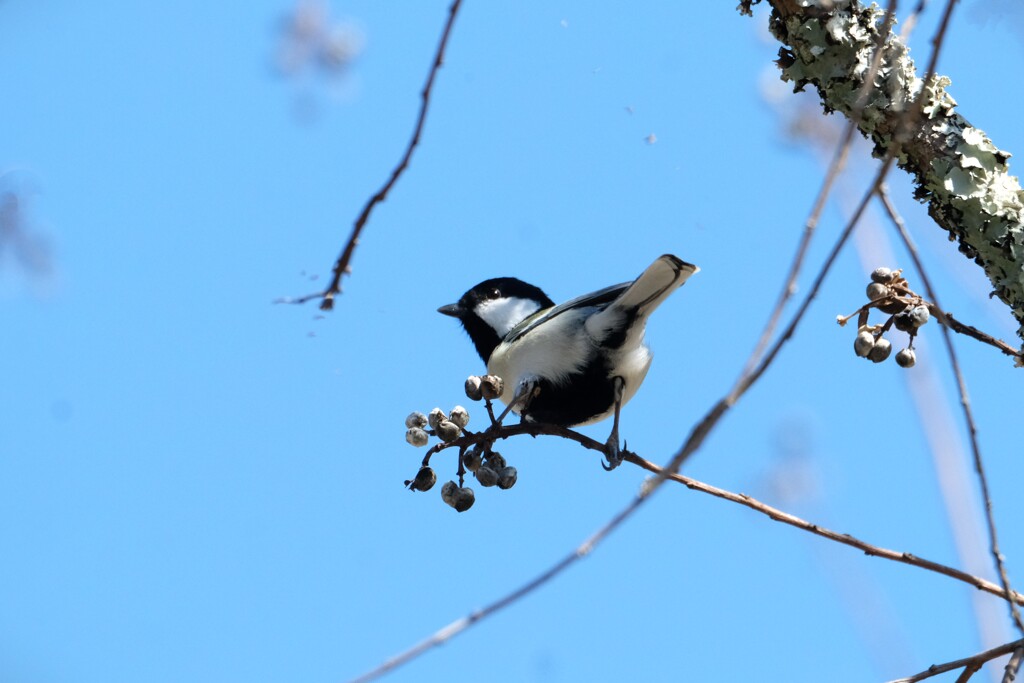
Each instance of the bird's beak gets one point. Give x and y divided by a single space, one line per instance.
454 310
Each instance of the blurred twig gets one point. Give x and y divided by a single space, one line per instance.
969 664
534 429
1013 666
834 169
341 265
972 429
754 370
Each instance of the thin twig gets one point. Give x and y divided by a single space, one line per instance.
980 658
1013 666
972 429
949 321
748 379
691 445
534 429
341 265
968 672
834 169
538 429
846 539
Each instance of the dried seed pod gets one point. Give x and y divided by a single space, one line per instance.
877 291
882 275
906 358
881 350
893 306
473 458
448 490
903 322
863 344
491 386
495 460
416 419
507 477
459 416
486 476
463 499
417 437
448 431
435 417
473 388
919 315
423 481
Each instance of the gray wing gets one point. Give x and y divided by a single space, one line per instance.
599 299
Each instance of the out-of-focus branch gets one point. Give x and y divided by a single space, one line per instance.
1013 665
836 166
341 265
972 429
969 664
960 173
499 431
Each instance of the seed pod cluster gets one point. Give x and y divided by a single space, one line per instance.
488 466
890 293
486 387
448 428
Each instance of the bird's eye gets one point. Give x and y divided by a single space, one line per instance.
493 293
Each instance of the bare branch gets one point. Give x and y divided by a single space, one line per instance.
834 169
341 265
952 323
973 662
959 172
1013 666
846 539
535 429
972 429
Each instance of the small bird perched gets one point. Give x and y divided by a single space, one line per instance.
571 364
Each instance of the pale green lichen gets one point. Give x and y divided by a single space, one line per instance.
962 175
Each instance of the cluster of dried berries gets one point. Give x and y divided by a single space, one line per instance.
488 466
448 428
890 293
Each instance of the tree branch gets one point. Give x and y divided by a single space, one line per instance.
961 383
499 431
963 176
341 265
972 663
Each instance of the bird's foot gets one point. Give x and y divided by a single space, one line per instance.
525 392
612 453
611 446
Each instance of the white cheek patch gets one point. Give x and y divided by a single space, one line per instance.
504 314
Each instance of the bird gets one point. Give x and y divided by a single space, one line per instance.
573 364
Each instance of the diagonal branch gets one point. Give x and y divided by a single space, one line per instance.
818 530
972 429
972 663
962 175
456 627
835 167
341 265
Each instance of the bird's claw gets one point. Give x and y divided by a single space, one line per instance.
612 453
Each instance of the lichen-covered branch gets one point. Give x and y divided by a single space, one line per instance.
960 173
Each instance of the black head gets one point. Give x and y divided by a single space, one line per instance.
493 307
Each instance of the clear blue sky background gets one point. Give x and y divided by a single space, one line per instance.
198 485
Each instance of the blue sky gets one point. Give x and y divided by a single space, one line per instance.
196 484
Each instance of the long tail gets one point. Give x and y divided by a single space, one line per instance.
615 326
655 284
